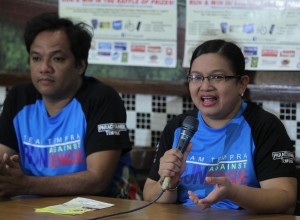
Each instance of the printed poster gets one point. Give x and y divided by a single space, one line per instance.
128 32
266 30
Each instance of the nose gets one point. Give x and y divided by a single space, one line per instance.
45 66
205 84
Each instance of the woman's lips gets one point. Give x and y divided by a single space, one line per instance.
208 100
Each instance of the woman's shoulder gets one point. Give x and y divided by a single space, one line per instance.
256 115
256 111
177 120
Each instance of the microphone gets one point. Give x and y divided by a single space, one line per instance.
189 127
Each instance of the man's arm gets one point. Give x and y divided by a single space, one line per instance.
101 167
4 149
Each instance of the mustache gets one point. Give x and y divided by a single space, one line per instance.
46 77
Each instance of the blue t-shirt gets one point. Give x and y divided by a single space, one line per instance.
94 120
244 151
51 146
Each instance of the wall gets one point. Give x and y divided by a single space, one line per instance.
22 11
148 114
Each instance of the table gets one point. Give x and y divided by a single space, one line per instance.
23 208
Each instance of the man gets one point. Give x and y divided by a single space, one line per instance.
65 133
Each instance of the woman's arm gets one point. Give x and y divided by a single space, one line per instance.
277 195
153 188
171 165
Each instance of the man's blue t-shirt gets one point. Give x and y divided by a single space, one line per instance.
94 120
51 146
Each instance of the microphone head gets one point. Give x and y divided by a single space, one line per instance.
189 127
190 123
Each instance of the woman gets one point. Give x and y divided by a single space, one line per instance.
239 158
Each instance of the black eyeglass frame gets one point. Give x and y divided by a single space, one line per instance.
210 77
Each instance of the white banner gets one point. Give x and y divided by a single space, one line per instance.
267 31
128 32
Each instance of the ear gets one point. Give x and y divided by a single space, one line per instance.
81 68
243 83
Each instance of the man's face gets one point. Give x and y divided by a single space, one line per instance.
52 65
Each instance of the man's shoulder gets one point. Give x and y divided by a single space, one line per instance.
93 85
97 93
25 91
21 95
24 87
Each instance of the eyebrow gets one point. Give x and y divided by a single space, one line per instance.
51 53
210 73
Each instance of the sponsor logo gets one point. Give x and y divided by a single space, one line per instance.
248 28
287 53
154 49
120 46
103 53
168 60
104 25
269 53
251 51
138 48
284 156
254 62
266 62
169 51
117 25
104 46
138 57
247 59
285 62
115 56
112 128
153 58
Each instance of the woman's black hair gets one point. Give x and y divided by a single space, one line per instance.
227 49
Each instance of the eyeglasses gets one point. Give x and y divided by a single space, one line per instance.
214 79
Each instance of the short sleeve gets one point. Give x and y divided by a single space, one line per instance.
274 152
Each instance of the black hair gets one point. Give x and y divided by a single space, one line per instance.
228 50
79 35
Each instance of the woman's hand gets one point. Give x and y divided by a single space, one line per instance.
223 190
173 164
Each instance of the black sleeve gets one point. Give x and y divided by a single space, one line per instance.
274 155
15 100
106 119
166 141
7 131
165 144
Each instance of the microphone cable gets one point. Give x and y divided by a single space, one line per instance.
131 210
189 127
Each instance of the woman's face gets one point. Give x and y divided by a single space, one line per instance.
217 99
